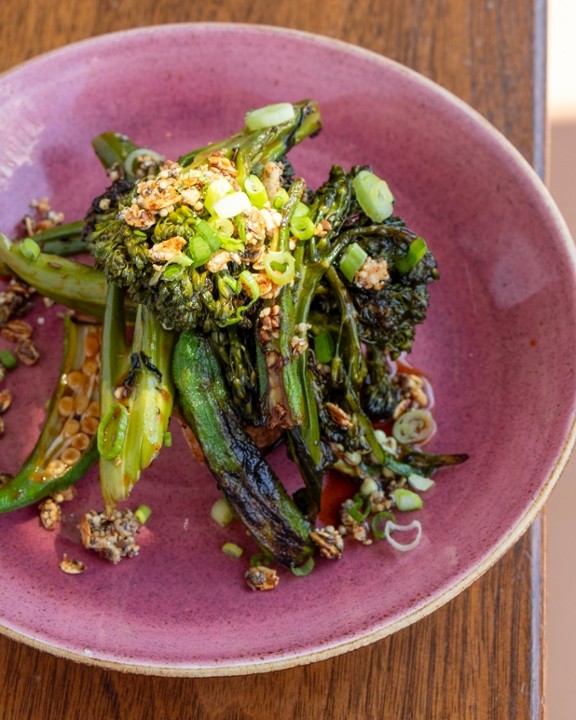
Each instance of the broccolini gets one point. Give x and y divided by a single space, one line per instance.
259 303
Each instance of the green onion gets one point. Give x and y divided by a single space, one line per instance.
280 199
416 252
269 116
414 426
373 195
406 500
305 569
209 234
232 550
369 486
419 482
172 271
216 191
300 209
167 439
221 512
200 250
112 431
361 508
378 524
8 359
352 260
302 227
249 284
232 204
254 188
30 249
280 267
324 347
143 513
223 226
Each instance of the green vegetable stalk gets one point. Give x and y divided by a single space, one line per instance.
61 456
244 477
136 397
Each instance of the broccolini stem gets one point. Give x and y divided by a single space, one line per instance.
251 149
136 397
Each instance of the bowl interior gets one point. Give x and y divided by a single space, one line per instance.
494 347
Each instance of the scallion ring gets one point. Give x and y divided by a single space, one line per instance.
414 426
352 260
373 195
392 527
279 266
269 116
416 252
112 432
406 500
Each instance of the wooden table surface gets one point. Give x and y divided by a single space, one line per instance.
481 655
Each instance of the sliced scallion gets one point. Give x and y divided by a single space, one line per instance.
249 284
112 432
373 195
416 252
232 204
378 523
209 234
200 250
221 512
419 482
269 116
302 227
305 569
280 199
30 249
232 550
279 266
216 191
254 188
406 500
352 260
391 527
143 513
414 426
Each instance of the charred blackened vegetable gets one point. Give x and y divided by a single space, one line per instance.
254 492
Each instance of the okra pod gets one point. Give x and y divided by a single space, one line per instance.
247 481
66 447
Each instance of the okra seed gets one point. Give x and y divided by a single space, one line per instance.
89 425
70 428
70 456
80 441
66 405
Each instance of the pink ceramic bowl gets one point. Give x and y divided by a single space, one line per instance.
495 347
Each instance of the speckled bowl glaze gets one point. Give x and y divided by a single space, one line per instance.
497 347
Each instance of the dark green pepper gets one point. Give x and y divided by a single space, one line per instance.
246 480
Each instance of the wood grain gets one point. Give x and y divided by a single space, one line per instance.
480 656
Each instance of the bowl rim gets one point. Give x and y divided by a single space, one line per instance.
531 512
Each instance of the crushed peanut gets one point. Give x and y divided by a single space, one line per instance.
71 566
262 578
113 537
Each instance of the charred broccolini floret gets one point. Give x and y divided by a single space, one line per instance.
178 241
